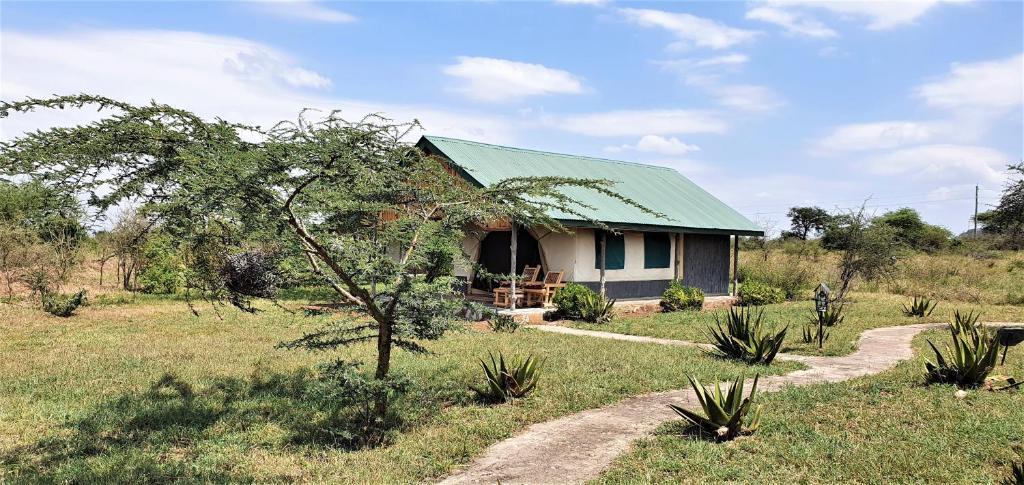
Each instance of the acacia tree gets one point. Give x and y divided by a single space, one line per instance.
377 220
1007 217
806 222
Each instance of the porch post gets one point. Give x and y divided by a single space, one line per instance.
515 247
604 257
675 256
735 263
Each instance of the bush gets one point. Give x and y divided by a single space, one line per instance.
63 305
570 299
503 324
161 271
597 309
250 274
757 293
680 297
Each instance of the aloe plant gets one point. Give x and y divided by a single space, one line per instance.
920 307
814 333
506 381
831 317
726 414
972 355
595 308
744 337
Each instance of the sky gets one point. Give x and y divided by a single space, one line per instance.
766 104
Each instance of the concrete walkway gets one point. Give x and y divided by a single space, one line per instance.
578 447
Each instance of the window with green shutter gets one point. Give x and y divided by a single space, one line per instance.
657 250
616 251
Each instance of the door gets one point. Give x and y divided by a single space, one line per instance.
706 262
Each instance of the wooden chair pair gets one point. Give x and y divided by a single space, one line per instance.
530 288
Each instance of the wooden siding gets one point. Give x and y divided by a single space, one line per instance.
706 262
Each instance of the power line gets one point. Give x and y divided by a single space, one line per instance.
923 194
872 206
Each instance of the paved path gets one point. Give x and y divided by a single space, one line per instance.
576 448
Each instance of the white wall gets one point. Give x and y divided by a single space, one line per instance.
633 269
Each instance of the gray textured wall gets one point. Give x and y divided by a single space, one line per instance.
706 263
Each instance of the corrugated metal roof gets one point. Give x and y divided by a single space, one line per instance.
658 188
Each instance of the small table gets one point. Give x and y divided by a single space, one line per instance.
502 296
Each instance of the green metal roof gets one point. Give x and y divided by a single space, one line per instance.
661 189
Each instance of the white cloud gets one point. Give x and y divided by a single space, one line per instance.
880 15
797 23
943 162
492 80
305 10
690 29
879 135
582 2
747 97
707 74
232 78
657 144
640 122
981 87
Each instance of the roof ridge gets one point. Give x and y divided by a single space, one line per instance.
506 147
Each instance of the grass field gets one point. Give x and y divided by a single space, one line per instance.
889 428
78 400
863 311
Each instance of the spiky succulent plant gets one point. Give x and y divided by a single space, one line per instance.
726 414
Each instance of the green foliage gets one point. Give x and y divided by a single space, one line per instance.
506 382
1007 218
920 307
681 297
831 317
757 293
806 222
62 305
726 414
867 251
812 332
972 355
161 271
570 299
502 323
913 232
744 337
347 396
597 309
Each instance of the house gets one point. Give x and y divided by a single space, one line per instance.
644 253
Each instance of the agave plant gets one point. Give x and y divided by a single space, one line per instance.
920 307
744 337
814 333
507 381
972 355
595 308
1016 475
725 413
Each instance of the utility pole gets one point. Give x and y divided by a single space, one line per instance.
975 210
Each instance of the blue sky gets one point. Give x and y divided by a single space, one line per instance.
765 104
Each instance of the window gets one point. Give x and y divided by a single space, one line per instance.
616 250
657 250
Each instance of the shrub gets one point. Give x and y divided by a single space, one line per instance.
569 300
250 274
508 381
1016 475
680 297
62 305
920 307
757 293
161 271
725 413
597 309
971 358
745 338
501 323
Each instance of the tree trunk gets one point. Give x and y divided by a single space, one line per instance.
380 405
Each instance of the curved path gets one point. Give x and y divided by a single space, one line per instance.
576 448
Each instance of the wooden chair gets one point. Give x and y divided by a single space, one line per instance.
543 293
502 294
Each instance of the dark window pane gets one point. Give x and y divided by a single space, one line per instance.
657 250
616 251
